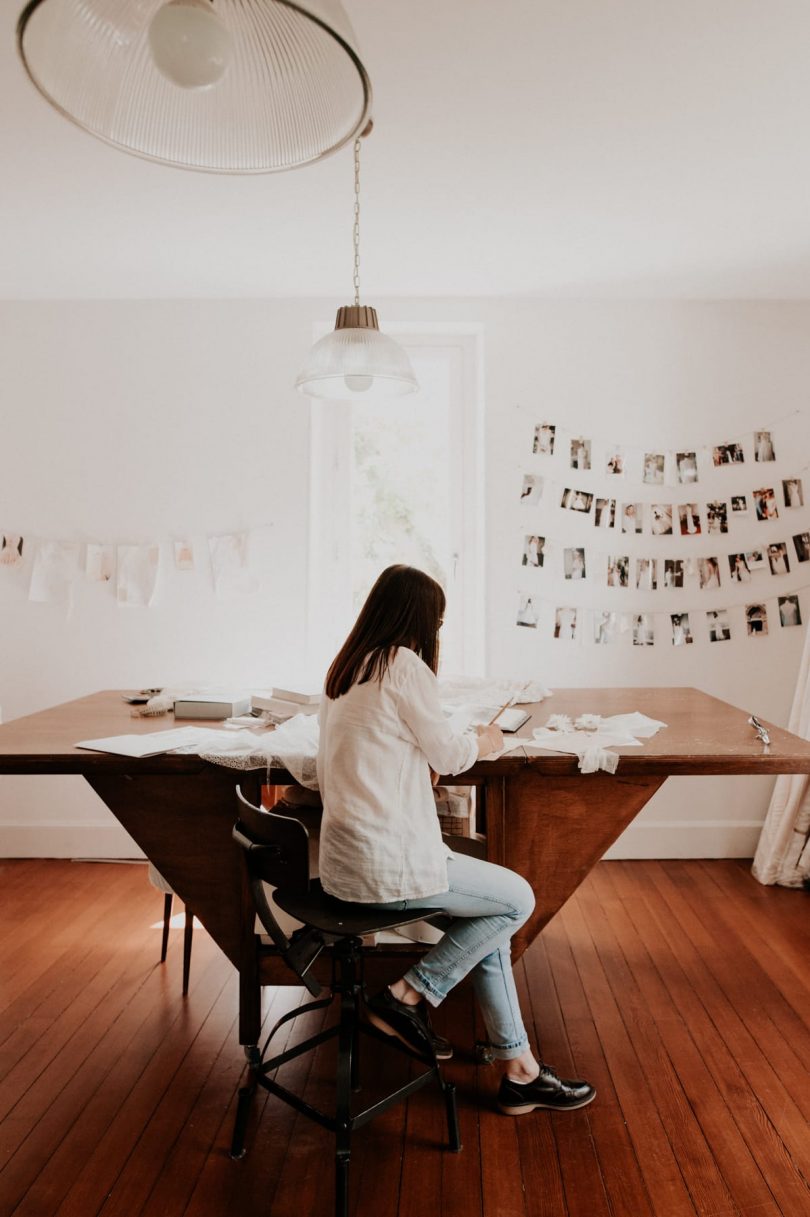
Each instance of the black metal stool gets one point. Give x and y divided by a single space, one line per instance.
275 851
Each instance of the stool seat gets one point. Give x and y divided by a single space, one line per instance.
332 916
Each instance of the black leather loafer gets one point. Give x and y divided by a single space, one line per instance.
547 1090
409 1024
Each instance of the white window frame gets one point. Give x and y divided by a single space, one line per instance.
329 504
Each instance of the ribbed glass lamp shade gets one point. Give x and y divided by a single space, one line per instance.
356 360
267 85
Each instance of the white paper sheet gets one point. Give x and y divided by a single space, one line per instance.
152 744
56 564
99 563
230 565
137 574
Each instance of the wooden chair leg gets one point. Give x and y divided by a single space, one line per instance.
167 916
187 936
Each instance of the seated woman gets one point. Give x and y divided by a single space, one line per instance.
382 732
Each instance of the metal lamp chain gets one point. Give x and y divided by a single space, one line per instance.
356 231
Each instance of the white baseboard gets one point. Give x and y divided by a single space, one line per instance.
688 839
648 839
64 840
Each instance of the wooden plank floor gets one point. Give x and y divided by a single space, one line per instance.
681 989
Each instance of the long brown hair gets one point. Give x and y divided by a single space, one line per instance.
403 609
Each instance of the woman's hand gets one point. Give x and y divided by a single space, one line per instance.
490 739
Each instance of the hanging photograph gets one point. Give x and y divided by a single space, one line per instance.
739 569
789 613
618 571
756 559
604 513
778 559
580 453
183 555
716 517
681 630
646 574
728 454
739 505
614 464
653 473
661 519
763 446
643 630
527 613
605 627
802 543
576 500
532 490
11 550
708 573
574 563
533 547
544 439
689 516
756 619
137 572
765 503
99 563
56 564
686 464
719 625
673 572
632 517
565 624
230 565
793 492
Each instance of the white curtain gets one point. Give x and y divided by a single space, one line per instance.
783 851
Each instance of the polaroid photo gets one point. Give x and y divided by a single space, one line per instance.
681 630
653 469
183 555
614 463
689 516
789 612
756 619
574 563
632 517
763 446
566 496
778 559
716 517
580 453
580 501
756 559
618 571
765 503
527 614
793 492
673 572
643 630
728 454
802 543
738 568
11 550
719 625
739 505
543 442
604 513
647 574
565 624
605 627
533 547
532 490
661 519
686 465
708 573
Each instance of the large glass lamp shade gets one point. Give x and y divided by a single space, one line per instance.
229 86
356 360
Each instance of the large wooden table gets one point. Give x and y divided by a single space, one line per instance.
539 815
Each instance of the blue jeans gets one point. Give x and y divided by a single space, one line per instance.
485 904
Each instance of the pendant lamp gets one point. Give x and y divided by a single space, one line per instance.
356 359
227 86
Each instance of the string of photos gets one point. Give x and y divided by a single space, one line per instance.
753 561
131 571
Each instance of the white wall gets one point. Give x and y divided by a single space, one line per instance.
141 420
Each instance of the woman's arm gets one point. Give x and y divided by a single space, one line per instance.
447 751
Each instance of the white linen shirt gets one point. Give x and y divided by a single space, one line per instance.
380 835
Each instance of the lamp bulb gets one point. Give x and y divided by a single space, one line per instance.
190 45
357 383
